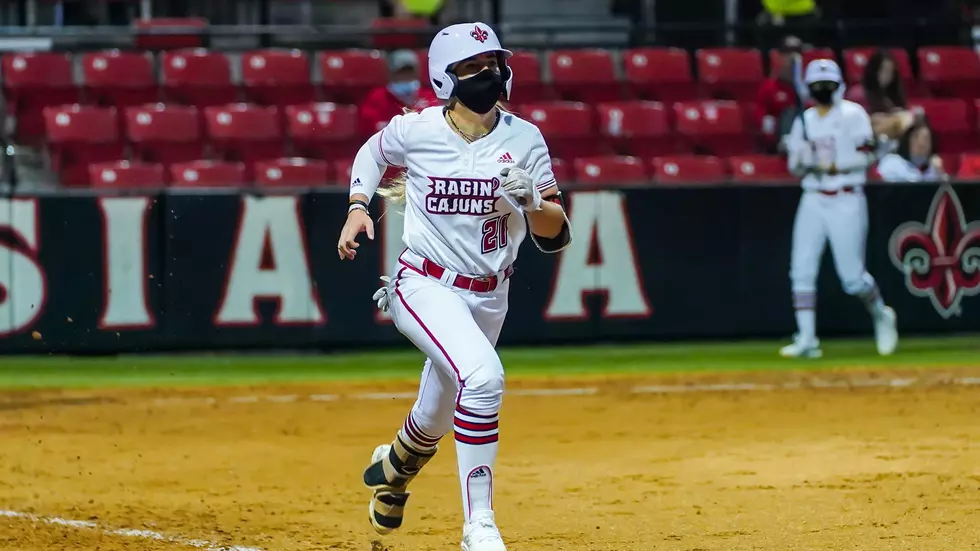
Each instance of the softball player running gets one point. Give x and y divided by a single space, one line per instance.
477 180
831 146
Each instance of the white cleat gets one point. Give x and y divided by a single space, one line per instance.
886 332
481 534
380 452
801 349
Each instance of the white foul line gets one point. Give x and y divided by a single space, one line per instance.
807 383
127 532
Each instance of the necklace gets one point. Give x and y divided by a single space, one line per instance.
468 137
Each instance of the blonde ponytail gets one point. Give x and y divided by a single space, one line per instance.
395 190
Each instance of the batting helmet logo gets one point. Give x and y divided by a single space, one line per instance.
479 34
941 258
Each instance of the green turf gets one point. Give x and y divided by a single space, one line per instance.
155 370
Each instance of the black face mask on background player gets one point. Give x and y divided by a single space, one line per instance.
823 92
481 91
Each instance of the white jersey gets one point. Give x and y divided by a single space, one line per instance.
895 168
456 213
842 137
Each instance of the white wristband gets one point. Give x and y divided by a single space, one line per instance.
356 206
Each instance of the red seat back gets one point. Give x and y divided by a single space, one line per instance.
197 77
730 73
715 127
323 130
528 86
584 75
78 136
856 59
610 170
165 133
295 171
759 168
126 174
277 77
119 78
243 132
568 127
33 81
348 75
662 74
950 71
953 123
688 169
637 128
207 174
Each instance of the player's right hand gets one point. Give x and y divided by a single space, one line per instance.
357 221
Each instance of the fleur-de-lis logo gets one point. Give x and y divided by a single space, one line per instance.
941 258
478 34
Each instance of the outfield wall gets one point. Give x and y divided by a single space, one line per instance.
170 271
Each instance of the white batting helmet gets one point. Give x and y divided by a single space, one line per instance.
463 41
823 70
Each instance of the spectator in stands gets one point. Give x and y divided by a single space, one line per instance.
403 91
885 96
915 160
775 102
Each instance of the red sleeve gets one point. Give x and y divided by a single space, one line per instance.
374 109
427 98
763 100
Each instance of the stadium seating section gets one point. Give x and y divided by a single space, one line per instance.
196 117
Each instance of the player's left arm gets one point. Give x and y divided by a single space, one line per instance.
861 135
538 194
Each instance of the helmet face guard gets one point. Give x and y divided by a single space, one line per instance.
460 42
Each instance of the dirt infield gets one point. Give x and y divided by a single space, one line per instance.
859 468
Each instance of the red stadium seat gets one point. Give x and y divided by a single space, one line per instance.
165 134
33 81
349 75
126 174
207 174
528 86
568 127
730 73
584 75
713 127
195 27
759 168
661 74
562 172
950 71
610 170
341 171
120 78
295 171
277 77
638 128
323 130
951 162
856 59
243 132
969 168
952 123
78 136
197 77
688 169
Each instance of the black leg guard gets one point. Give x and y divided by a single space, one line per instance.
389 478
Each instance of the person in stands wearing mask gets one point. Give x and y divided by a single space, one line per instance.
403 91
775 101
830 148
915 160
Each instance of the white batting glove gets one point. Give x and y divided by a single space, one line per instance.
382 295
518 184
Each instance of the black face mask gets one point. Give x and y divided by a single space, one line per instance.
481 91
823 93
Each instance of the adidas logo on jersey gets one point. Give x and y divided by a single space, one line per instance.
479 473
506 158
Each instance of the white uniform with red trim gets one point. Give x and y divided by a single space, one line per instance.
456 213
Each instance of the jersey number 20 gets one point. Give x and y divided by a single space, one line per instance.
495 233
